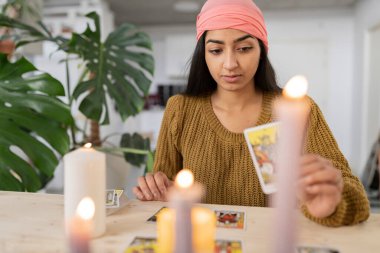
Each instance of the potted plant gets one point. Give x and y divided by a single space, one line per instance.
119 68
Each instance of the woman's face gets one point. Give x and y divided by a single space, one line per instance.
232 57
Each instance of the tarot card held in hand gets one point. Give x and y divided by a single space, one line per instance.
222 246
230 219
153 218
142 245
262 141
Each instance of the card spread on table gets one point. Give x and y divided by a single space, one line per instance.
142 245
113 198
149 244
230 219
315 249
262 141
153 218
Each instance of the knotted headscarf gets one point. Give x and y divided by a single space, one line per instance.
242 15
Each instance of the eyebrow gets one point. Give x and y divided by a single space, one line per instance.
237 40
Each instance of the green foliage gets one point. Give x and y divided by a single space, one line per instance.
36 122
33 122
120 68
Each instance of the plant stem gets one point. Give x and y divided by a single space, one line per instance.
124 150
72 130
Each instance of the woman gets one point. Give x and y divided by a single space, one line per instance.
231 87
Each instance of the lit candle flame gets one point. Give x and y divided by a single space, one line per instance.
88 145
296 87
184 178
86 208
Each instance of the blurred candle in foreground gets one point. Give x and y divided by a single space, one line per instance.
292 111
85 175
183 228
80 227
203 229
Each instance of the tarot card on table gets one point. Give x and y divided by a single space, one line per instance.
230 219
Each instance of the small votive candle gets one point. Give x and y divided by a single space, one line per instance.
81 226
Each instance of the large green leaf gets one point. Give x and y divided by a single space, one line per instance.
135 141
33 124
121 66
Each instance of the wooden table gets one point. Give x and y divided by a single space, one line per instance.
34 223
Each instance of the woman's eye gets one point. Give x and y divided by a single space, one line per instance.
244 49
215 51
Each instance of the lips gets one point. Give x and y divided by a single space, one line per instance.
231 78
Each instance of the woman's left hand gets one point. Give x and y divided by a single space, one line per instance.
320 185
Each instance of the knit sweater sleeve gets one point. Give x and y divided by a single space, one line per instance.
354 207
168 158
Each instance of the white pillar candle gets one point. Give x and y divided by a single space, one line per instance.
292 110
85 176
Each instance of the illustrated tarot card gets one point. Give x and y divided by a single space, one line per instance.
153 218
222 246
142 245
230 219
262 144
111 199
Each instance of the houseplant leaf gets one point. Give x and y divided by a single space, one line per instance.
121 68
33 124
135 141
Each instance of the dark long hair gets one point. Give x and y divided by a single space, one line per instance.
201 83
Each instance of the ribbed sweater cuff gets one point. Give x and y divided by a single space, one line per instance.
353 209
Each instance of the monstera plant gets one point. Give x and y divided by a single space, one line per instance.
118 69
33 126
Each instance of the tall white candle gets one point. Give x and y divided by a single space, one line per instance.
291 110
85 176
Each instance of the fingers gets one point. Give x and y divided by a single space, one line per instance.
162 182
138 193
145 188
153 187
325 176
325 189
151 182
311 163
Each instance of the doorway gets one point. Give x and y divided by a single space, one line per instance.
371 92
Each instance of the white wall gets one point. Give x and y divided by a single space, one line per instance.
322 35
367 16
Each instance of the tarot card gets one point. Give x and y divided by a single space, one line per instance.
222 246
262 144
153 218
111 198
142 245
315 249
230 219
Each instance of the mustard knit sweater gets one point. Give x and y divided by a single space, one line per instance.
192 137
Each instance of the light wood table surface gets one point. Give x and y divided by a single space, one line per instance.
31 222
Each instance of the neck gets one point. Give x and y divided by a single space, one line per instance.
235 100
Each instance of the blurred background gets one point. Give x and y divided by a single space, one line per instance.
334 43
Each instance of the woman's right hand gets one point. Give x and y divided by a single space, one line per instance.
154 186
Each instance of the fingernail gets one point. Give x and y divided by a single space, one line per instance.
148 196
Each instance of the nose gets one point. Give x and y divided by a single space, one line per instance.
230 61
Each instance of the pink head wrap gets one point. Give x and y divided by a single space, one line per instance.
242 15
